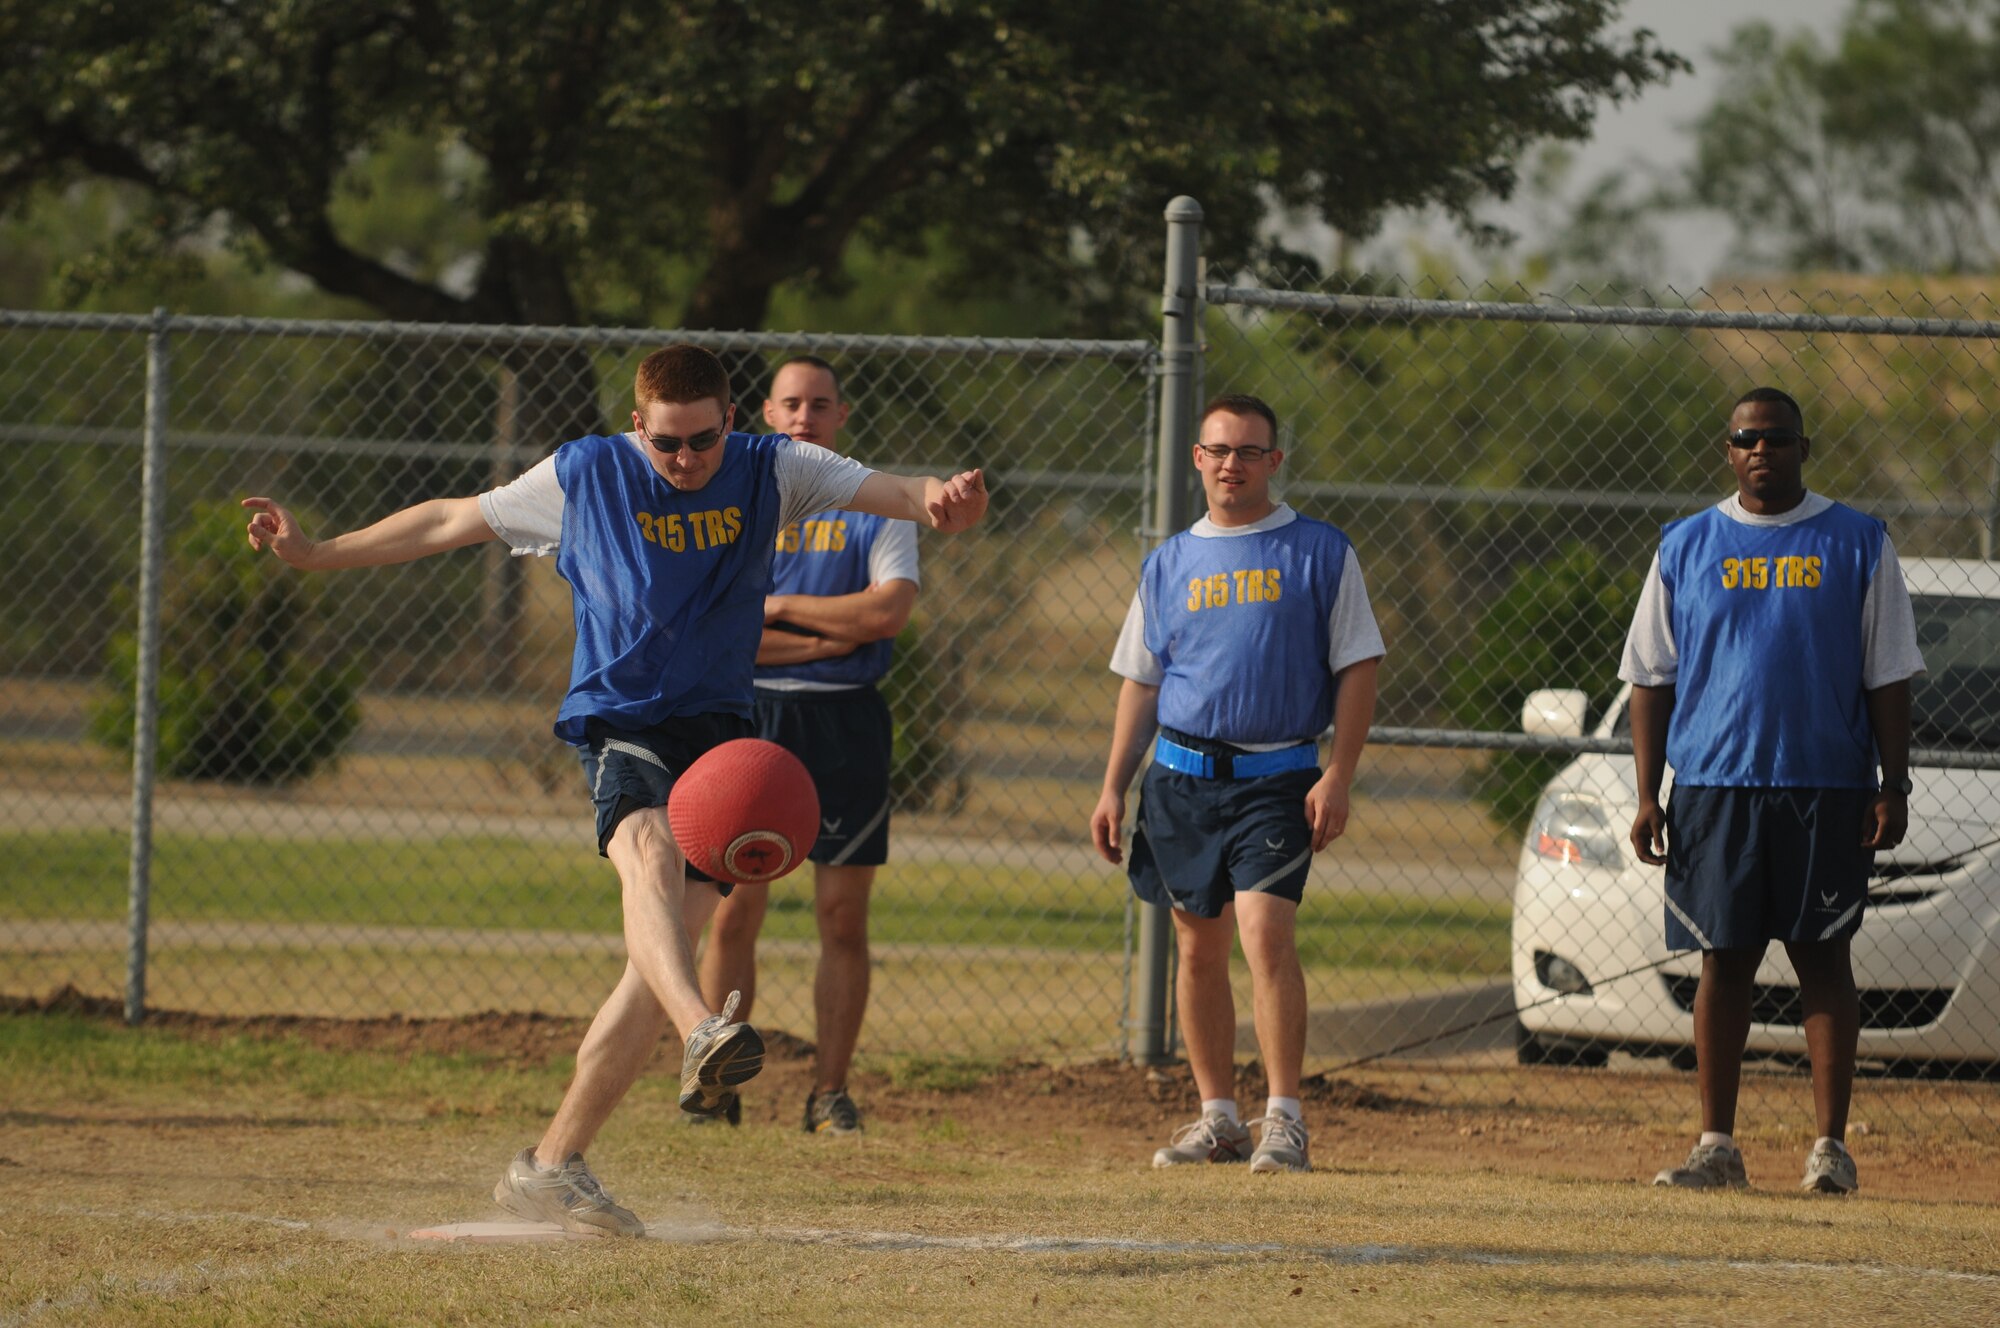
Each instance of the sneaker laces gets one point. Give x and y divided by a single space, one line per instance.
1201 1131
577 1174
1286 1129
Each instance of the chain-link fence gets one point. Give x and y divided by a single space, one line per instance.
1504 462
359 806
360 810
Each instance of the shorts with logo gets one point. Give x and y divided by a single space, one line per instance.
1751 865
845 740
1198 843
629 769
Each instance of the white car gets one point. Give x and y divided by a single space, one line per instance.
1592 972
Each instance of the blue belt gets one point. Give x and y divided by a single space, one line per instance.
1233 765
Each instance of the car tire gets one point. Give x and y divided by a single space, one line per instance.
1532 1050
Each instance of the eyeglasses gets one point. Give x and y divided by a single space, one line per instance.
700 442
1217 452
1749 438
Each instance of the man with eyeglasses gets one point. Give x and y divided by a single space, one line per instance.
1770 660
1250 632
843 587
665 535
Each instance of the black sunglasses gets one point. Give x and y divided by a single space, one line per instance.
1748 438
700 442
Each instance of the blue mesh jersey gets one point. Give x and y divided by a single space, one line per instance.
668 586
828 555
1239 626
1768 623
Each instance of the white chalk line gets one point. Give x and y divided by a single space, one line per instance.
891 1242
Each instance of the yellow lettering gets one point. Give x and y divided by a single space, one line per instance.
1760 573
675 540
788 538
732 521
1729 573
839 536
713 522
1194 594
1270 583
1242 586
1812 573
645 520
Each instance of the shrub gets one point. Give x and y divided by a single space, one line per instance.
1558 624
925 771
254 685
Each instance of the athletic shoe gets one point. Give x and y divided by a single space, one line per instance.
568 1196
832 1113
1830 1170
1709 1167
1213 1138
732 1112
1282 1146
719 1056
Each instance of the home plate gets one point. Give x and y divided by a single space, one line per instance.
499 1233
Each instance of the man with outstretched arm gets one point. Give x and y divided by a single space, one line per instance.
665 535
1250 633
843 586
1770 660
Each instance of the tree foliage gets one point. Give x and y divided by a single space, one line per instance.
574 151
255 686
1878 152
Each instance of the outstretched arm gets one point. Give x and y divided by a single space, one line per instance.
415 532
948 505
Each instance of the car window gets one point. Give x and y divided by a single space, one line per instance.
1956 701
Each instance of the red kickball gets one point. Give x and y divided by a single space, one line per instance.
745 812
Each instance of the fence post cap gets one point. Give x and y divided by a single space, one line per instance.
1183 208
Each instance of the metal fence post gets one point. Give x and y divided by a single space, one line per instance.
1180 370
146 723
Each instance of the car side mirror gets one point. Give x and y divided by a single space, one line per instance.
1555 712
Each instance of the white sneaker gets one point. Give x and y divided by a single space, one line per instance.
1830 1170
1709 1167
1213 1138
568 1195
1282 1147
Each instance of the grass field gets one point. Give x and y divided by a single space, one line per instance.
225 1173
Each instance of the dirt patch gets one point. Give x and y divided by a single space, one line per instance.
1929 1141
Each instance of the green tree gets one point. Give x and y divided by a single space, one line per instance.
716 149
1875 153
255 686
1560 624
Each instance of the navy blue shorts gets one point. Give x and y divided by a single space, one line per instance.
628 769
1751 865
844 738
1199 843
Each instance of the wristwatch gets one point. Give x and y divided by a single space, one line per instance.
1900 786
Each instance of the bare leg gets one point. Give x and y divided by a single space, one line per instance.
1721 1027
1277 986
730 962
840 987
1207 1005
658 986
1833 1027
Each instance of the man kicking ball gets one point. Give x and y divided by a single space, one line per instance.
666 535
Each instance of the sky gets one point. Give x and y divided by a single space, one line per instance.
1651 131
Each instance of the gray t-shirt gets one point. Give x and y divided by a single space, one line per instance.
527 511
1888 624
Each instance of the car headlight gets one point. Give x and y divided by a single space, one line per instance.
1575 827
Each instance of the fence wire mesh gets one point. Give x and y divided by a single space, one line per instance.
1504 462
361 809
